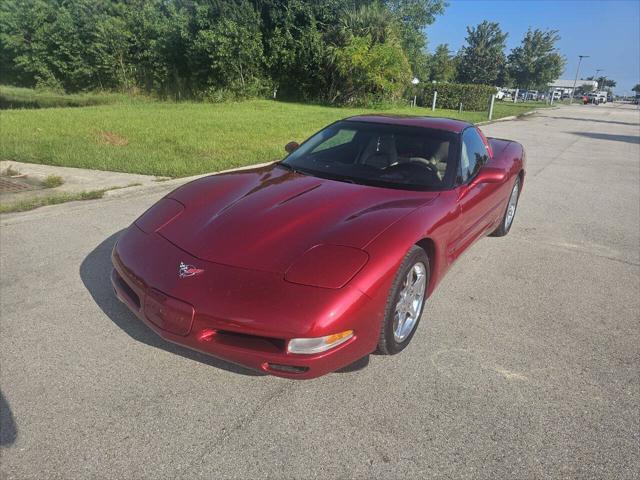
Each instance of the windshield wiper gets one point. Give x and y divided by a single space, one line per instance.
339 178
291 169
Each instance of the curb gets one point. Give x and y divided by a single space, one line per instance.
173 183
515 117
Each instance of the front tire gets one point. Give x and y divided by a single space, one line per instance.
405 302
510 213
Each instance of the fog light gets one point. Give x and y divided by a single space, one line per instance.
317 345
286 368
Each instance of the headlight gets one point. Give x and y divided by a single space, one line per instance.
317 345
160 214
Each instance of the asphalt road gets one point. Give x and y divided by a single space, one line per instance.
526 363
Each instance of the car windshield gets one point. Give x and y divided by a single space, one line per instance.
377 154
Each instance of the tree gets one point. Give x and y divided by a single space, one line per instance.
441 64
536 62
367 68
228 44
604 82
341 50
636 88
412 17
584 88
482 58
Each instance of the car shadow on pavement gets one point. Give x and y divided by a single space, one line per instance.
593 120
95 272
609 136
8 429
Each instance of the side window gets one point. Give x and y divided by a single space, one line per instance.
473 154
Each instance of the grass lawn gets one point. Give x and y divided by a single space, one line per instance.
177 139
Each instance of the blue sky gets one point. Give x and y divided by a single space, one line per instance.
607 30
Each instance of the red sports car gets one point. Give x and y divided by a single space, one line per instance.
307 265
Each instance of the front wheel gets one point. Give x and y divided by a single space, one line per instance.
405 302
510 213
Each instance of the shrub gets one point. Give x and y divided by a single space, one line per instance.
451 95
369 70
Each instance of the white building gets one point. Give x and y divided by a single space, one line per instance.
565 86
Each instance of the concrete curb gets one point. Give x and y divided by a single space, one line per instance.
173 183
161 187
515 117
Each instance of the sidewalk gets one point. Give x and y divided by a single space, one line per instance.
75 181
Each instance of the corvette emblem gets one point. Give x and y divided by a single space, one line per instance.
185 270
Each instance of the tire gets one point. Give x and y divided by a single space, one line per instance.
392 339
506 223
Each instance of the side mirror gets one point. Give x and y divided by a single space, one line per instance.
291 147
489 175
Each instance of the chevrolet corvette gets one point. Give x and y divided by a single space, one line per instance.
306 265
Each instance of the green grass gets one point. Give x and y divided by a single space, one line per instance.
178 139
52 181
16 97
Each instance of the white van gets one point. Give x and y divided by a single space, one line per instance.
598 97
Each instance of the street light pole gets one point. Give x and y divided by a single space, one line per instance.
595 78
575 80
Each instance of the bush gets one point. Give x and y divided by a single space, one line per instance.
451 95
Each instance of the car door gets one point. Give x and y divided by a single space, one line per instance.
475 200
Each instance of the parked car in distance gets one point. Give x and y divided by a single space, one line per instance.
304 266
598 97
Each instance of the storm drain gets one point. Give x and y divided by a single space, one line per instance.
15 185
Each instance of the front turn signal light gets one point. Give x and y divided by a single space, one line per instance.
317 345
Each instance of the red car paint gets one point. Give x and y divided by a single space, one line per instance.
282 255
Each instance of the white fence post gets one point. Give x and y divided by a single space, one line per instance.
493 99
435 97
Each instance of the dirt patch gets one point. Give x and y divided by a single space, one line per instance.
112 138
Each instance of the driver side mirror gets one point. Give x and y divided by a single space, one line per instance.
291 147
489 175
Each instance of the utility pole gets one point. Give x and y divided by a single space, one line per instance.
575 80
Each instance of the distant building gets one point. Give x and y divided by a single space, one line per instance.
565 86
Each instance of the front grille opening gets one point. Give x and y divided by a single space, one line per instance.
128 291
250 341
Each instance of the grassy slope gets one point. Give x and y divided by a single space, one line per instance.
175 139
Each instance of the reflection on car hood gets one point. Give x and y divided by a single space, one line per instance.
265 218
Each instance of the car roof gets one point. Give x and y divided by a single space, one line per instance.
436 123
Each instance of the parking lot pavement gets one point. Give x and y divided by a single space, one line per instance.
526 363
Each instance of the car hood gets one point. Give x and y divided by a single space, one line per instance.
265 218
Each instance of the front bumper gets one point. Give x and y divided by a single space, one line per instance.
242 316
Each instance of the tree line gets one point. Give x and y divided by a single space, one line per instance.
483 59
334 51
